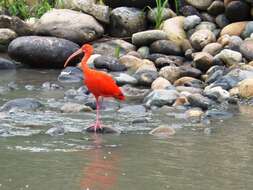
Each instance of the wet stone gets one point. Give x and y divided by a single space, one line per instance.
6 64
55 131
146 77
163 131
124 78
71 75
104 130
197 100
51 86
132 109
110 63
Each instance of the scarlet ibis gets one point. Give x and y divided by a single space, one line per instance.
99 83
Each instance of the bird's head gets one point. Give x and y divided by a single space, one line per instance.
87 49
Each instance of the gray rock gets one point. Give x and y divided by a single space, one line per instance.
188 10
160 98
203 61
6 36
163 132
55 131
133 109
216 8
214 76
100 12
108 47
190 72
74 108
71 75
124 78
201 38
190 82
72 25
212 48
189 89
26 104
144 51
200 4
165 60
229 57
165 47
247 49
145 77
191 21
221 20
171 73
41 52
216 93
126 21
15 24
147 37
110 63
133 93
51 86
166 14
103 130
237 11
197 100
248 30
205 25
234 43
6 64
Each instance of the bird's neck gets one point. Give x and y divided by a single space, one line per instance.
85 67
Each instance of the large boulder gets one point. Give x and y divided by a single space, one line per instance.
72 25
100 12
237 11
41 52
126 21
130 3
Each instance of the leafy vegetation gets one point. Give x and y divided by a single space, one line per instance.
117 51
21 9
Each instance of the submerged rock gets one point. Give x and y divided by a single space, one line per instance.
103 130
163 131
55 131
68 24
27 104
75 108
132 109
41 52
70 75
6 64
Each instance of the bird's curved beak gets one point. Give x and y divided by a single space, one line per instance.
72 56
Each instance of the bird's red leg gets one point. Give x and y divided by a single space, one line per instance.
98 125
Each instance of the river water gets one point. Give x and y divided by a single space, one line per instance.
218 155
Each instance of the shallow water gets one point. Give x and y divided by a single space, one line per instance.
217 155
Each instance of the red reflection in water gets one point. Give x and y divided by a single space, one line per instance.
101 173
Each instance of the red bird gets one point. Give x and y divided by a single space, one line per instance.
98 83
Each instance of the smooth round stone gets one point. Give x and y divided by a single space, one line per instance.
247 49
212 48
201 38
166 14
246 88
71 75
6 36
235 28
194 113
144 51
200 4
163 132
110 63
189 81
191 21
216 93
205 25
191 90
131 62
203 61
189 10
163 61
146 77
103 130
221 20
229 57
165 47
171 73
147 37
125 21
248 30
216 8
6 64
237 11
56 131
197 100
124 78
161 83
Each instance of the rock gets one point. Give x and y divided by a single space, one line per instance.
216 8
26 104
246 88
147 37
163 132
133 109
41 52
216 93
188 10
6 64
160 98
75 108
248 30
200 4
15 24
124 78
6 36
131 62
237 11
55 131
145 77
161 83
212 48
189 89
134 93
194 113
166 14
126 21
221 20
71 75
190 72
235 28
144 51
51 86
229 57
203 61
231 42
201 38
246 49
167 60
181 101
189 82
103 130
174 28
130 3
197 100
110 63
212 77
165 47
68 24
171 73
108 47
205 25
100 12
191 21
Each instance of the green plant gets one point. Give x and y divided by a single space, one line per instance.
17 8
177 6
117 51
42 8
